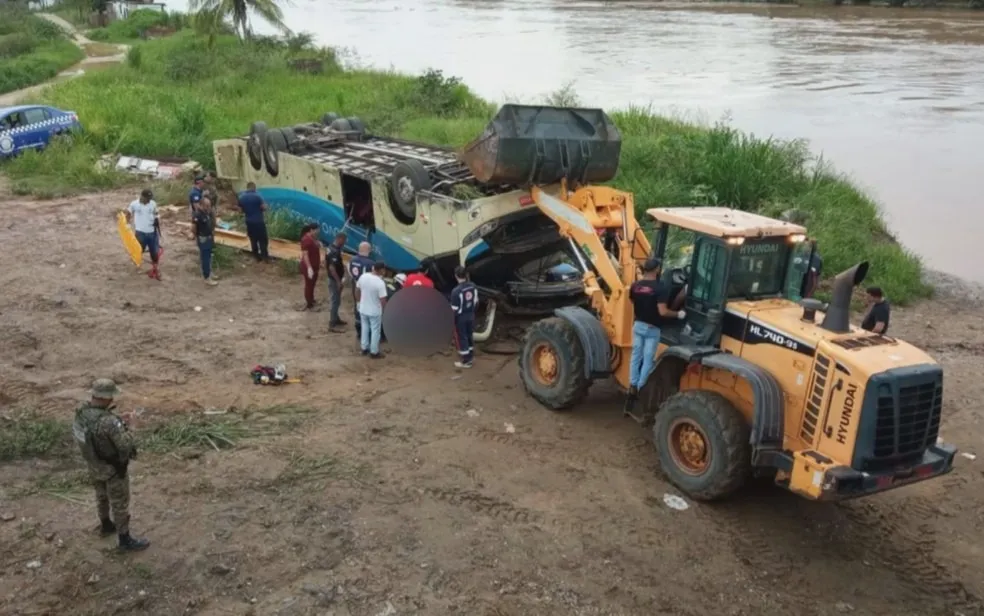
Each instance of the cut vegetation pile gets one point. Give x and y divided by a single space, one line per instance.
32 49
175 95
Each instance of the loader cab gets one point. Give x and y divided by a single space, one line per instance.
704 272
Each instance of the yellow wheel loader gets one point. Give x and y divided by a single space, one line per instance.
755 379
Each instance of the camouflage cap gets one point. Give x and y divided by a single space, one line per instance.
104 388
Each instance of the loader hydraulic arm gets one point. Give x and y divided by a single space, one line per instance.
579 217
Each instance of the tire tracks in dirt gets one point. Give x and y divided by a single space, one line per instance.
17 393
908 551
631 456
898 539
482 504
751 543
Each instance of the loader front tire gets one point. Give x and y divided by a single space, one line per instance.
702 441
551 364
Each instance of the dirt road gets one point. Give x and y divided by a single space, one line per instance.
401 487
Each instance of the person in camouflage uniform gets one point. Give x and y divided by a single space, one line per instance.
108 447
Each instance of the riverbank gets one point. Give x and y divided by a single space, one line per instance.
174 96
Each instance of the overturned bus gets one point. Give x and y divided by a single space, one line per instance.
428 208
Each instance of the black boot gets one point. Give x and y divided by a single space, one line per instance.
108 528
132 544
630 399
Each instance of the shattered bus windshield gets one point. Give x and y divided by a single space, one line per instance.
758 269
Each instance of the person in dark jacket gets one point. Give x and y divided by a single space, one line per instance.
879 312
464 303
253 207
335 270
204 231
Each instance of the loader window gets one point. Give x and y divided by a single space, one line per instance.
758 269
679 249
708 273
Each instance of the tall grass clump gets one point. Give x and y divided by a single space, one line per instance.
176 95
61 170
32 50
136 25
31 436
284 224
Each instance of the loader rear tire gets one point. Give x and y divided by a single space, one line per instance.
702 442
551 364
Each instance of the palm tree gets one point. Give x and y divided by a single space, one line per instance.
209 23
239 11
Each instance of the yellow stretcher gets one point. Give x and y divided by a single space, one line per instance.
130 242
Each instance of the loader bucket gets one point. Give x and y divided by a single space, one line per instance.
525 145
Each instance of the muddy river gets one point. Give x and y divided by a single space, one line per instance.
894 98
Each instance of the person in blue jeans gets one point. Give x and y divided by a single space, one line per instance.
145 218
253 207
371 294
650 297
204 231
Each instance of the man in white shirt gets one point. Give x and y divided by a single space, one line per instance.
370 293
143 216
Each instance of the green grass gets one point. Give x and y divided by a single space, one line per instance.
224 258
32 50
136 23
174 96
194 432
285 225
63 169
28 436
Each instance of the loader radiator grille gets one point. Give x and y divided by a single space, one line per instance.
907 422
821 374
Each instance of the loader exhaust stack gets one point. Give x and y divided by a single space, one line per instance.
838 317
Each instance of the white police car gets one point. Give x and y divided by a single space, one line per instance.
25 127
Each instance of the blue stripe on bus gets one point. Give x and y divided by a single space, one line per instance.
331 217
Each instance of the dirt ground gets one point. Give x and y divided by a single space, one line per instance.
402 487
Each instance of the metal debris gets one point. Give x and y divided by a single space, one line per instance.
145 167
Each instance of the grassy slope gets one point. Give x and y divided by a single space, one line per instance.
174 97
32 50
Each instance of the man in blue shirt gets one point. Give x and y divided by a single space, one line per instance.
464 303
253 206
358 265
